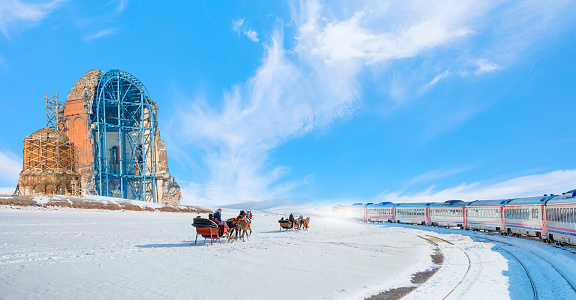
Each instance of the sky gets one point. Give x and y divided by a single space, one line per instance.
317 101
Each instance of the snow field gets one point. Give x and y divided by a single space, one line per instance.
70 254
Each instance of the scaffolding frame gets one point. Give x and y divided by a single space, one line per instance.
124 117
44 154
52 108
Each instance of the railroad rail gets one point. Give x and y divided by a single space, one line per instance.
432 238
570 283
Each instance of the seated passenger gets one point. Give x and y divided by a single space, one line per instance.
218 216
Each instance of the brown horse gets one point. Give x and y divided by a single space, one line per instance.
305 223
244 225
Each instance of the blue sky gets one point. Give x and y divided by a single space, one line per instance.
318 100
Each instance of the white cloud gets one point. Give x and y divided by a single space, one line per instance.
485 66
15 13
10 167
297 90
239 27
122 4
555 182
7 190
435 175
253 35
101 34
436 79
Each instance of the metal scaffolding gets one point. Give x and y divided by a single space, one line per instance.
52 108
125 134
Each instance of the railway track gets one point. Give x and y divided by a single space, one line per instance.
562 274
534 291
434 239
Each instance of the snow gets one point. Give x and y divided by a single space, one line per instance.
70 253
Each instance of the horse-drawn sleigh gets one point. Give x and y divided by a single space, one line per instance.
232 229
296 224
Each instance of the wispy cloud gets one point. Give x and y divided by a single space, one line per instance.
100 34
239 27
121 6
553 182
435 175
485 66
436 79
15 13
253 35
103 25
307 87
10 167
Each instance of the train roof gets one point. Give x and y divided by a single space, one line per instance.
478 203
381 204
556 199
528 200
449 203
413 204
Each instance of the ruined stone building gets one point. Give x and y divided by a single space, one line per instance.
48 165
112 122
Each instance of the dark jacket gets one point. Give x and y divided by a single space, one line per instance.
291 218
218 216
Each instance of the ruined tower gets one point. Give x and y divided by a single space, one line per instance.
112 121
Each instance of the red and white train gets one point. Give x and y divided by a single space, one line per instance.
551 218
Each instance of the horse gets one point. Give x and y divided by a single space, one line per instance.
244 225
305 223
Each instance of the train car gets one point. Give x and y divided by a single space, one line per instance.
338 211
560 218
411 213
524 216
485 215
356 212
450 213
381 212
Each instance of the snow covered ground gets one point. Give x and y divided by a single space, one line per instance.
71 254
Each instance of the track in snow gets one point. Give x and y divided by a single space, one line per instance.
555 277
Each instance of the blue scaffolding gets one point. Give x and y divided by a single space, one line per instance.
124 137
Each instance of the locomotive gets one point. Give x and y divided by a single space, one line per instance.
551 218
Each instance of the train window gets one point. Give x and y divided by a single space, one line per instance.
571 215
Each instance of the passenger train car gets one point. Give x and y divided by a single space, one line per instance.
412 213
560 218
551 218
524 216
485 215
449 214
381 212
